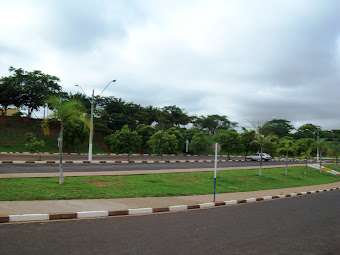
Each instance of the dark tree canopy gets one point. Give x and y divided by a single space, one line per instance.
35 87
213 123
279 127
306 131
9 92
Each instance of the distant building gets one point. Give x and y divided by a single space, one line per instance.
10 111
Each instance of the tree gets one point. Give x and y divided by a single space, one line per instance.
174 116
279 127
306 155
180 139
335 147
213 123
145 132
35 88
188 134
306 131
75 135
247 137
199 143
33 145
322 144
261 140
124 141
9 92
305 144
64 111
230 141
286 146
163 143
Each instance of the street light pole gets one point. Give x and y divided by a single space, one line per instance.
91 120
91 128
317 148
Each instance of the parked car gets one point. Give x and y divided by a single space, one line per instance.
257 156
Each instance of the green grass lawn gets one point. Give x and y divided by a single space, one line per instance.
332 166
158 185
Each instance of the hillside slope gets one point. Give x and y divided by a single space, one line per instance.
13 130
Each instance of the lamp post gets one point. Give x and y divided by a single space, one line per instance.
255 125
317 148
91 120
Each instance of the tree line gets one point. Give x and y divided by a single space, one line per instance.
129 127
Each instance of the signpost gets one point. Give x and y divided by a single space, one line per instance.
186 149
217 149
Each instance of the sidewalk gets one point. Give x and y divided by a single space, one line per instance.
68 209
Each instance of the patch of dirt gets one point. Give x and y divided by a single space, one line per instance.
100 183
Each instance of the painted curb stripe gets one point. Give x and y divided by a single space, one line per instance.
204 205
193 207
231 202
91 214
63 216
117 213
4 219
28 217
140 211
178 207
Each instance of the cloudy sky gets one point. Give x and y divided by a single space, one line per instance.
247 59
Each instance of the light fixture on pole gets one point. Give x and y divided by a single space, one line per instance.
91 120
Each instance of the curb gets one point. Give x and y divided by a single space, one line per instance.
123 161
140 211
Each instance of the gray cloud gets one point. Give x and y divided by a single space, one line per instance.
252 59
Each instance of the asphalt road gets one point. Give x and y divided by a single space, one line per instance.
51 168
25 156
300 225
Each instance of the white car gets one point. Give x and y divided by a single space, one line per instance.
257 156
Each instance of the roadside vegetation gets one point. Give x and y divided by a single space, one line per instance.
158 185
132 128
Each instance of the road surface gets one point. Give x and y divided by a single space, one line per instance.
300 225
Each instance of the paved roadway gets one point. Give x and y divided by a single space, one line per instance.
300 225
28 156
51 168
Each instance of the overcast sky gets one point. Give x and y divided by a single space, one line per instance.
243 59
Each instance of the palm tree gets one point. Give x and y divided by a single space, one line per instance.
336 152
64 111
261 140
322 147
306 155
286 146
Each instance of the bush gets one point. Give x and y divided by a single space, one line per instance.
33 145
199 143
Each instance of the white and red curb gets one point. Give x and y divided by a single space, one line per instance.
138 211
120 161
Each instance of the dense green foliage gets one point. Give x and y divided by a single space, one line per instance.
33 145
163 143
230 141
124 141
30 90
199 143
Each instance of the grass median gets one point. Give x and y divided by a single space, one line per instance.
158 185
